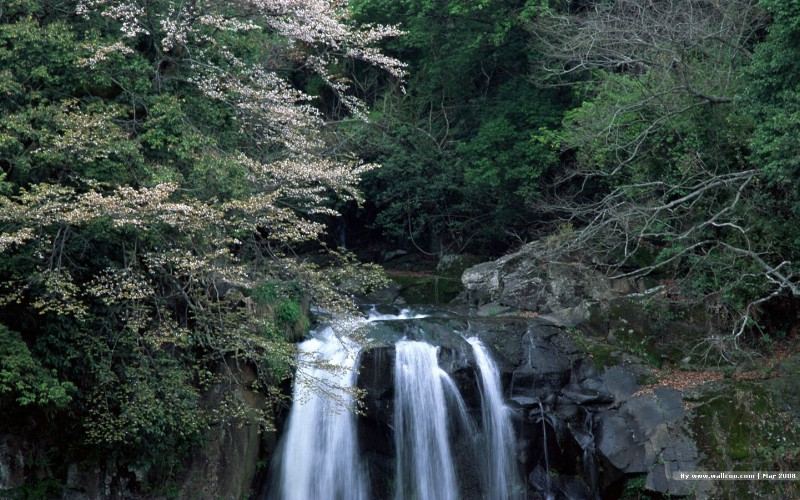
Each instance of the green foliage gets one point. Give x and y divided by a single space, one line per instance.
266 293
773 97
461 151
288 312
155 172
25 380
49 487
148 410
659 179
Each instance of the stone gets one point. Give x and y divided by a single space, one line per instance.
586 396
225 466
561 291
617 442
12 462
620 382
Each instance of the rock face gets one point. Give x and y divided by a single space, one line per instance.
581 431
527 280
12 462
224 467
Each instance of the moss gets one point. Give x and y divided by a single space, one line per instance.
282 305
724 427
288 313
291 319
419 288
638 342
635 488
650 328
740 425
603 355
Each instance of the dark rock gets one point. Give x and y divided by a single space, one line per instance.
569 411
522 402
584 370
376 378
573 488
617 442
466 380
540 480
670 403
620 382
586 396
12 462
545 369
645 435
528 279
538 384
381 473
225 467
504 336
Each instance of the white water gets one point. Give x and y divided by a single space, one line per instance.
500 471
424 463
320 460
374 315
320 457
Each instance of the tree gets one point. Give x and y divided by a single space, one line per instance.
158 166
659 180
460 152
771 96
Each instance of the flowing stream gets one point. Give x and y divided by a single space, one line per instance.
434 432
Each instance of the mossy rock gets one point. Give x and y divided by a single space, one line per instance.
419 288
652 329
750 425
453 266
285 307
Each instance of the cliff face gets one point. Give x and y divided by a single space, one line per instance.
682 398
224 466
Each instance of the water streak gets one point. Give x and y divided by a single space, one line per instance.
320 458
374 315
424 463
500 471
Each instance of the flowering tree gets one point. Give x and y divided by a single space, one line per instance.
159 162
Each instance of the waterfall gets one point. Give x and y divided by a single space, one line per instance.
438 452
320 457
424 462
500 470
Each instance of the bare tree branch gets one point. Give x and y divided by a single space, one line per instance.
657 170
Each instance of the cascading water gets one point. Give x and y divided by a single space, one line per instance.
320 458
500 470
438 453
424 463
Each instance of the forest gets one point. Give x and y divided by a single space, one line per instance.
183 181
